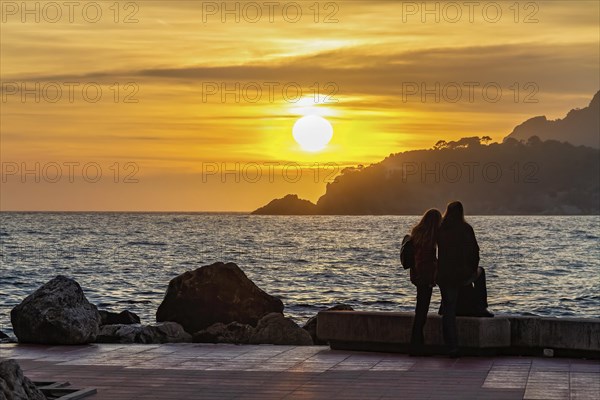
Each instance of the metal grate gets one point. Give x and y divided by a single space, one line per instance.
62 391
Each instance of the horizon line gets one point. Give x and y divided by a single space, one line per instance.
272 215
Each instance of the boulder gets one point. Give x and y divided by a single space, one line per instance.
233 332
274 328
311 325
165 332
4 338
56 313
215 293
125 317
14 385
121 334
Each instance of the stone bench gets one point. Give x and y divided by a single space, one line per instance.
390 331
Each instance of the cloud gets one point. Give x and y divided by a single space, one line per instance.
571 68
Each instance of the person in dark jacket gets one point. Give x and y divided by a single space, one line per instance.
459 272
422 275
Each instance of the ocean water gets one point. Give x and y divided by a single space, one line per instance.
535 265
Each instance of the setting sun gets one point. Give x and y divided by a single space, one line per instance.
312 132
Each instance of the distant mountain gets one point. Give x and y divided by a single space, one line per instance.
579 127
289 205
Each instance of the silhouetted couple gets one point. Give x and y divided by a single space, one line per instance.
447 254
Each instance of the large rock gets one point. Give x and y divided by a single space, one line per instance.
14 385
274 328
165 332
233 332
56 313
311 324
215 293
4 338
125 317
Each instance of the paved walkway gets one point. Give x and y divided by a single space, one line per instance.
204 371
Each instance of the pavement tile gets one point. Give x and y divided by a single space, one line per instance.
210 371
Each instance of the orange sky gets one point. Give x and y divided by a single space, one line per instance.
164 139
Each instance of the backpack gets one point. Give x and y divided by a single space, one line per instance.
407 253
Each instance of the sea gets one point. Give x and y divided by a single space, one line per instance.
536 265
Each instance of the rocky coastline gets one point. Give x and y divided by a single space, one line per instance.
214 303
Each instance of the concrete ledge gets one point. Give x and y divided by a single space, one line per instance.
390 331
565 336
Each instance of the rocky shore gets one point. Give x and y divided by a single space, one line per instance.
14 385
215 303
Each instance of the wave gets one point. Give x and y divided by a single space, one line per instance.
134 301
34 232
377 302
145 243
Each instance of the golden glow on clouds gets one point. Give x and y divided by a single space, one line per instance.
357 69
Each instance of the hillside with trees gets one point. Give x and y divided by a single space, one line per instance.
513 177
517 176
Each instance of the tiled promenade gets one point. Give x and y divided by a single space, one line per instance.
203 371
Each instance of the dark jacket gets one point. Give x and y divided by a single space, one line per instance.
458 254
423 273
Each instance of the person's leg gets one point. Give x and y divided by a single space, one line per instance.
465 302
449 298
423 299
481 289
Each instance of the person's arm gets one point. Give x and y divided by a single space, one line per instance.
474 249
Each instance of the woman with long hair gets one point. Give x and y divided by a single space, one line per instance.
458 268
422 275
